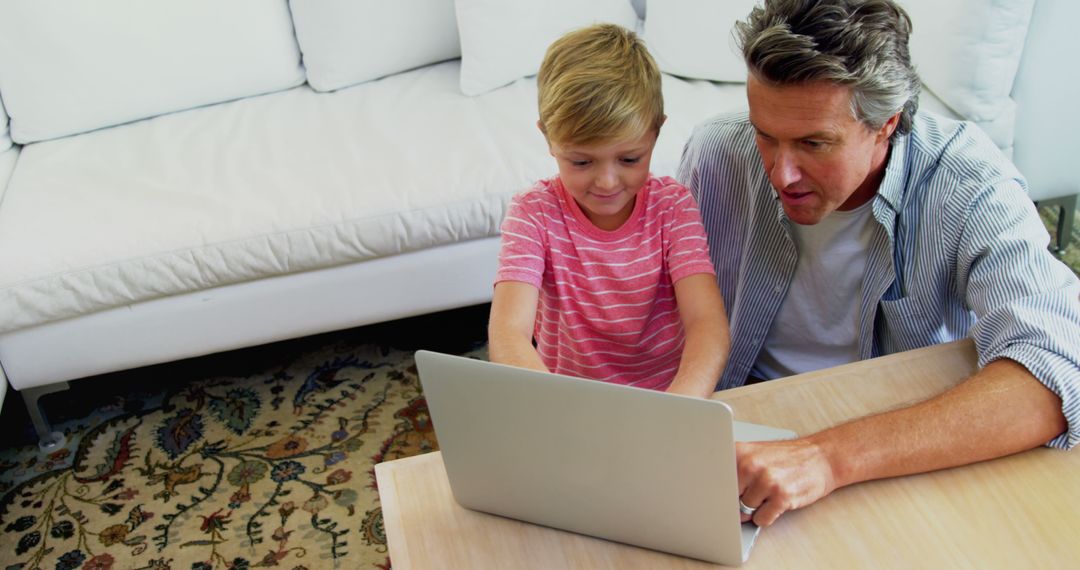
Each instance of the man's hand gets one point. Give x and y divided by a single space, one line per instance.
779 476
950 429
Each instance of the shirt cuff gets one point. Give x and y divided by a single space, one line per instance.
1060 376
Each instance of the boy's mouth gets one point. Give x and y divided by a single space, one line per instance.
610 196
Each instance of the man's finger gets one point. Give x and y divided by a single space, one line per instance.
768 512
744 478
757 491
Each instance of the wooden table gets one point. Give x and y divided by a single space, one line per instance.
1021 511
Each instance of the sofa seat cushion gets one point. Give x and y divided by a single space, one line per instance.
276 184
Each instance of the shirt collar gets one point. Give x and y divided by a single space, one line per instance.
893 184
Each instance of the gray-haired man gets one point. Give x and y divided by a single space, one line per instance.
844 225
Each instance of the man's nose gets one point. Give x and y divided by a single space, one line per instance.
785 170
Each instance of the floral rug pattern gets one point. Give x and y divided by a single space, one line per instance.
270 470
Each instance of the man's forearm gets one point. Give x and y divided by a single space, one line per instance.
999 411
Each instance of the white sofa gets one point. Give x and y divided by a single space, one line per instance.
192 177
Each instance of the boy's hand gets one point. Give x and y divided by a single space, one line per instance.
701 309
686 389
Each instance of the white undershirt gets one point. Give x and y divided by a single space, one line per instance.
818 320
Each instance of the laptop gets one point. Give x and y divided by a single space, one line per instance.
635 466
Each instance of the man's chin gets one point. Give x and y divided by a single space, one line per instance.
802 216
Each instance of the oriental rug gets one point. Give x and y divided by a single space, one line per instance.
271 469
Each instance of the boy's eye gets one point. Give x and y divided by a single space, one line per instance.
579 162
633 160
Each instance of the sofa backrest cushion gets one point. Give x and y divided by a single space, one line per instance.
70 67
345 42
503 40
967 51
5 136
693 38
7 167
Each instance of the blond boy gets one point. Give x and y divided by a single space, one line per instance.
605 266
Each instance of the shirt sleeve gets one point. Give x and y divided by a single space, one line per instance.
686 249
1025 301
523 252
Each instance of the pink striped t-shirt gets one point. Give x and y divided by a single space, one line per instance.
607 307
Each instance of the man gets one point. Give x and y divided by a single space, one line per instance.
844 225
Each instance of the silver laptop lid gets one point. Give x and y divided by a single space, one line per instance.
637 466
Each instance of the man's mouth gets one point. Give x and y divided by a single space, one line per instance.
794 195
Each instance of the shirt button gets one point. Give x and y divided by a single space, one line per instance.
778 289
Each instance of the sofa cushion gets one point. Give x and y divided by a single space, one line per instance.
70 67
502 40
693 38
345 42
5 136
968 51
276 184
7 167
1045 93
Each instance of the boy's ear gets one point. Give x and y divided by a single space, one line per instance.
663 120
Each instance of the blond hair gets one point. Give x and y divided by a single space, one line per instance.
599 84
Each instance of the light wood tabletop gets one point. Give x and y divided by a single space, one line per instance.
1021 511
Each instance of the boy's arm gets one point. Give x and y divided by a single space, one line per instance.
510 327
701 309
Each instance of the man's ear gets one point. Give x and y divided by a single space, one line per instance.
888 128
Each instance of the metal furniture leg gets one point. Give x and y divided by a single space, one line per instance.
48 440
1066 209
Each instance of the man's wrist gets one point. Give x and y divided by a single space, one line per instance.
836 456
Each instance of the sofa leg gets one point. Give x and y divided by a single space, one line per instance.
1066 208
48 440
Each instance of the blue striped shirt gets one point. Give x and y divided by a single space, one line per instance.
958 251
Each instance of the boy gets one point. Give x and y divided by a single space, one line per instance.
605 265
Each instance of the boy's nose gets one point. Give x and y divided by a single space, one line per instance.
607 179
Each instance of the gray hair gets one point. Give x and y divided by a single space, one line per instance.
862 44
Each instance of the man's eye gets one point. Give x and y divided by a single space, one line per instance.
814 144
